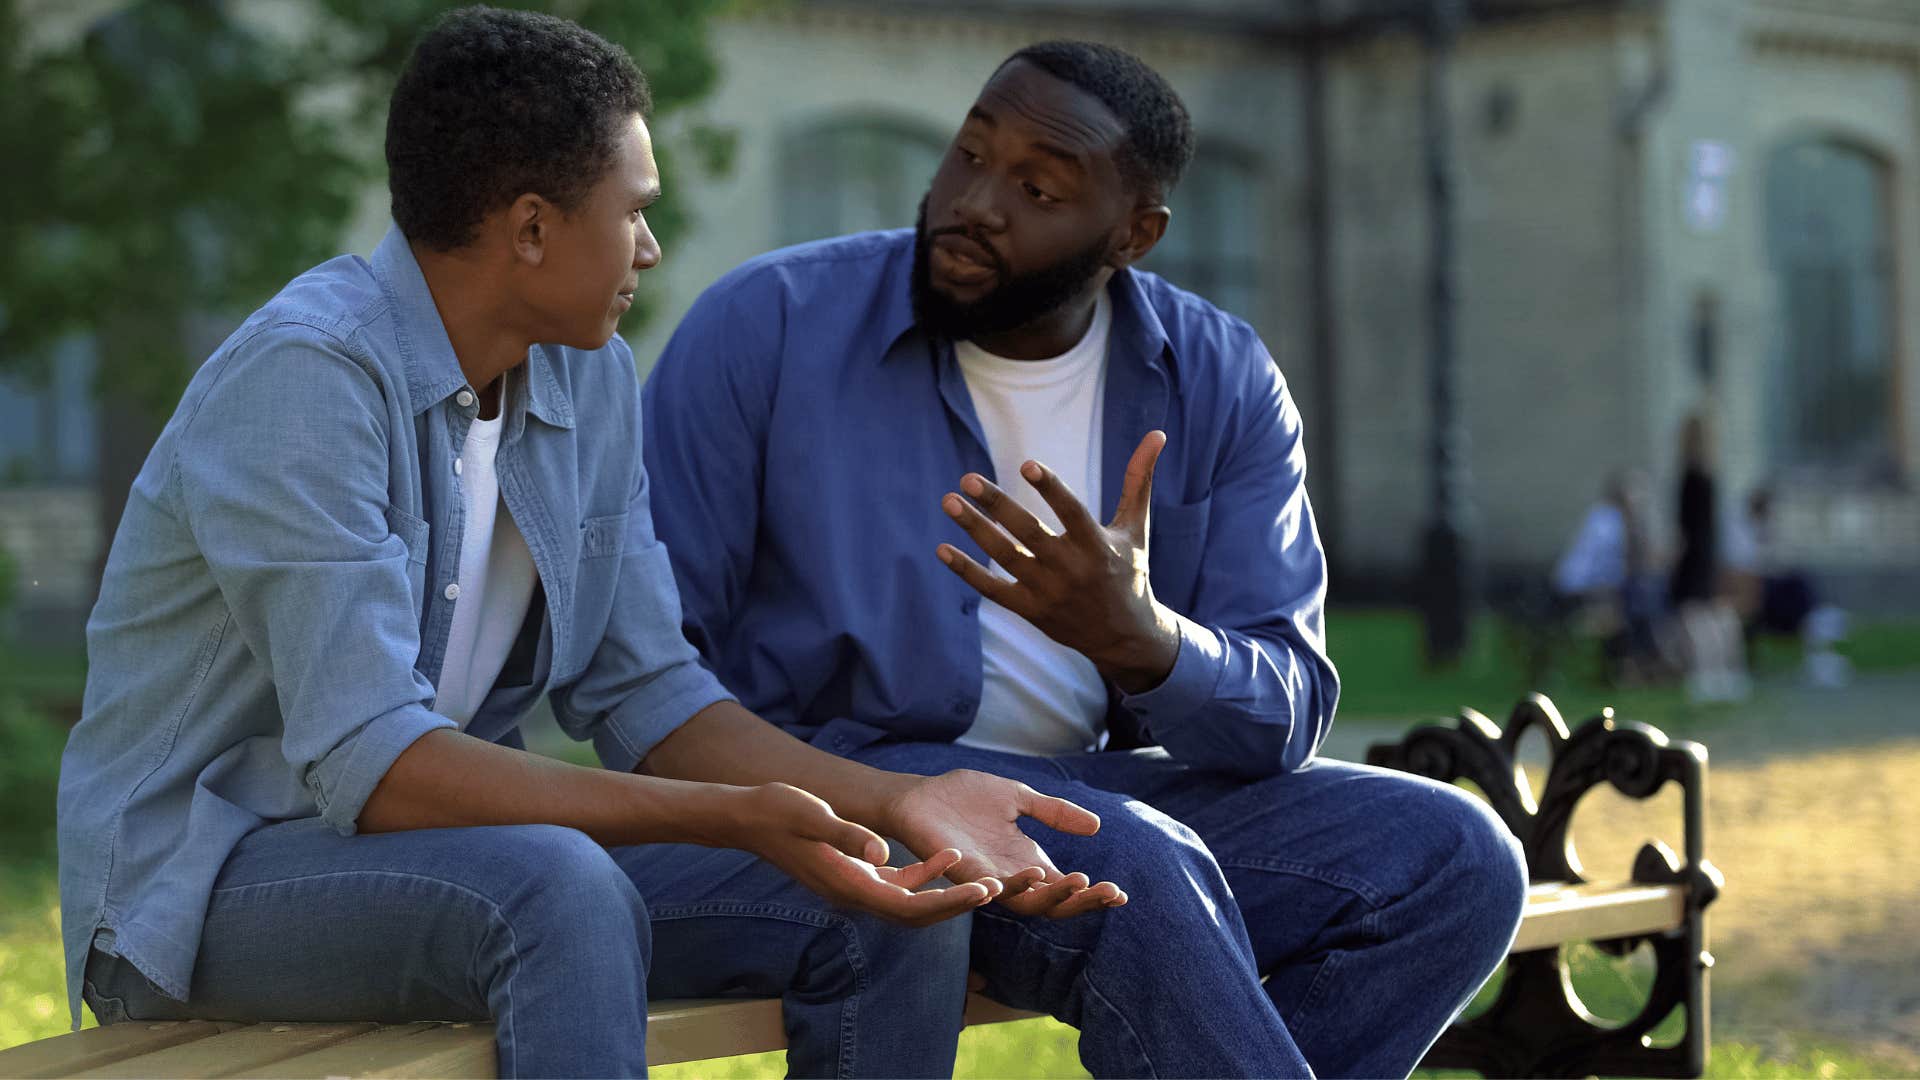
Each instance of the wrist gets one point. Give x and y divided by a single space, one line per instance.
877 801
1145 659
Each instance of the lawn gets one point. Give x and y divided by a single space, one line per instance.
1378 655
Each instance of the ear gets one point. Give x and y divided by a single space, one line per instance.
529 221
1144 228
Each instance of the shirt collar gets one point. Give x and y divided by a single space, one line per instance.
433 372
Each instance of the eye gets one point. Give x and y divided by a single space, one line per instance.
1037 195
967 155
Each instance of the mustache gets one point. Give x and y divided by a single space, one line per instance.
979 240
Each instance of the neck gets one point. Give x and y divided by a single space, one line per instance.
1051 334
485 340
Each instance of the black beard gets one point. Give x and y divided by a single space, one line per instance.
1014 303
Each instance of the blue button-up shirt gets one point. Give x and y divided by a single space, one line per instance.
276 607
801 431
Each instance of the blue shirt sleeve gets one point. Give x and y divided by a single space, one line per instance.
706 408
1252 691
281 475
644 679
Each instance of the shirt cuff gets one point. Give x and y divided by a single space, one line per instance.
632 731
1197 668
344 779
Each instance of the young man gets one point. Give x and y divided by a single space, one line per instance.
402 502
833 422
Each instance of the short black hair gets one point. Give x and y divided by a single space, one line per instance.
495 104
1159 132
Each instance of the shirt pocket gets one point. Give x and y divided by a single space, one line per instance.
602 542
1175 547
413 534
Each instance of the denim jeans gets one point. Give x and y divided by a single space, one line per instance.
1329 921
560 941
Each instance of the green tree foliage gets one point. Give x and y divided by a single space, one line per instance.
179 159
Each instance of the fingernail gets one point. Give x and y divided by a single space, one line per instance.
971 484
946 555
951 504
1030 470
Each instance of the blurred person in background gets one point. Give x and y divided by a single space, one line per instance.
980 493
1609 580
1714 651
399 505
1774 597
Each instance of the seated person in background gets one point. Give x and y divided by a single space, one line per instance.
1774 598
1609 581
846 435
399 505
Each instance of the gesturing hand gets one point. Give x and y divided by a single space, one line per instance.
843 861
978 814
1086 588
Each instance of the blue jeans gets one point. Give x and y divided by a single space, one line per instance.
560 941
1331 921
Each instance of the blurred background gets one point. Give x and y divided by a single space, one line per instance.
1603 317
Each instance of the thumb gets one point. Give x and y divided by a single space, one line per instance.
1060 814
852 839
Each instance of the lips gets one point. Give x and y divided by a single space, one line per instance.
961 260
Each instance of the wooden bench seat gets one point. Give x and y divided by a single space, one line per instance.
677 1030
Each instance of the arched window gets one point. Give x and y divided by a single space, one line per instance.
852 174
1212 247
1830 246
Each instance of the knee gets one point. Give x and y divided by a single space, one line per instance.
1160 862
1485 875
566 886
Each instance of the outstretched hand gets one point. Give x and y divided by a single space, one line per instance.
978 814
1086 587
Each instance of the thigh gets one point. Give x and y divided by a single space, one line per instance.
305 924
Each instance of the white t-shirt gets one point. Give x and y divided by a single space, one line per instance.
495 582
1038 696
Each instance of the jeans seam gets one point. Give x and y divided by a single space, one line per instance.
1372 896
1084 978
1297 1024
493 907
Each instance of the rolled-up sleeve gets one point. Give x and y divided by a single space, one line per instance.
282 475
643 679
1252 690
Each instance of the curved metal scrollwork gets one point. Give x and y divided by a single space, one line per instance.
1536 1025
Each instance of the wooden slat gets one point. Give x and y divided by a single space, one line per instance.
248 1051
77 1051
1557 914
405 1050
696 1029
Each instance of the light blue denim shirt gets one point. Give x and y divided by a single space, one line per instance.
279 595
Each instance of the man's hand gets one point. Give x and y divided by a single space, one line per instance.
1087 588
978 813
842 861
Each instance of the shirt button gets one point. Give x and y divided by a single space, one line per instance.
464 399
453 591
960 706
456 466
967 606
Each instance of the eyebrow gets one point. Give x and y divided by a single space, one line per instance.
1077 160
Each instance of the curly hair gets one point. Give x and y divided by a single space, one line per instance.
494 104
1159 132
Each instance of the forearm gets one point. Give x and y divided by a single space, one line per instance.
447 779
724 743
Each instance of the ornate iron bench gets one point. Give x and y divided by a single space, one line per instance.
1535 1026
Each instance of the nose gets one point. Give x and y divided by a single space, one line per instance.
976 207
646 249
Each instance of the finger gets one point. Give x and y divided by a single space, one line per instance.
848 837
994 540
929 906
1042 899
1024 880
1093 898
1136 493
1008 594
845 881
1016 519
918 874
1074 516
1059 814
